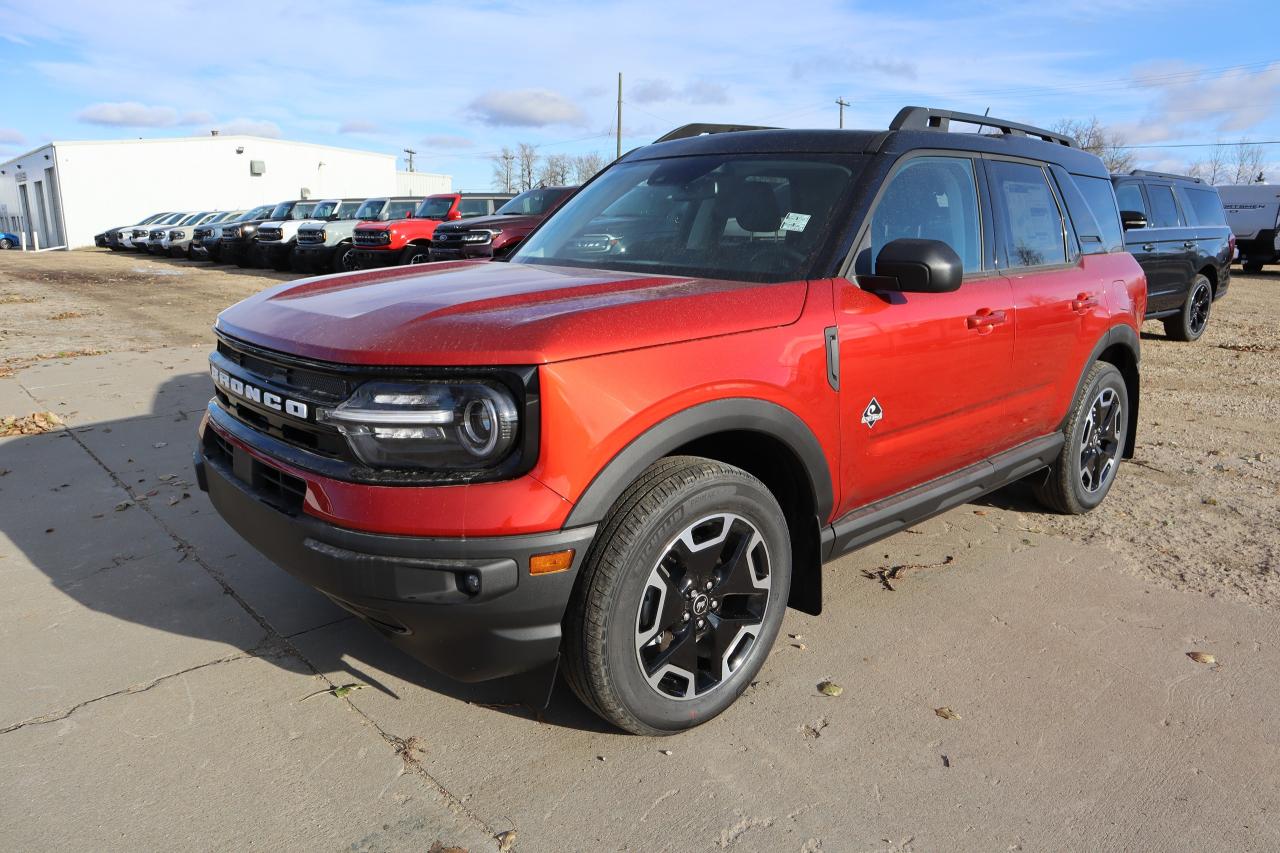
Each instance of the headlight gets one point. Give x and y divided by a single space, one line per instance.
177 235
460 426
230 232
479 236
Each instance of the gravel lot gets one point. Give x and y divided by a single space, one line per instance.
167 687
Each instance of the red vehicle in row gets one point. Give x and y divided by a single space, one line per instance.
729 358
408 241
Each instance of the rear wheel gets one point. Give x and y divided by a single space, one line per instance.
1095 439
1189 323
1252 266
681 597
415 254
6 243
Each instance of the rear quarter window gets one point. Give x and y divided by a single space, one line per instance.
1164 210
1202 206
1102 203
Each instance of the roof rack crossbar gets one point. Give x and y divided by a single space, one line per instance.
927 118
690 130
1147 173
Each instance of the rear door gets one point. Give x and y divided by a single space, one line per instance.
924 377
1143 243
1175 245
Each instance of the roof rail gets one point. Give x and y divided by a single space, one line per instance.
927 118
688 130
1147 173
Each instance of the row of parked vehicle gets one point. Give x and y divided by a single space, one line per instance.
345 234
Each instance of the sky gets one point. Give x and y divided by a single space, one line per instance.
457 81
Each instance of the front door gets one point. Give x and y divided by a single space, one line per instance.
923 376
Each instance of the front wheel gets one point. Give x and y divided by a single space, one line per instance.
6 243
681 597
344 258
1251 267
1095 439
415 255
1190 322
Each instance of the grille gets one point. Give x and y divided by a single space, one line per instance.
284 491
266 235
310 236
371 238
157 235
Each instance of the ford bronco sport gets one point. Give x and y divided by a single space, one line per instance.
1176 229
630 464
407 239
497 236
208 242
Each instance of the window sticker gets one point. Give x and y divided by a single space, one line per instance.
795 221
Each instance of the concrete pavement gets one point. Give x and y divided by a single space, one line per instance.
155 669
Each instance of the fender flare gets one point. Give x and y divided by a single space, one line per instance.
744 414
1124 336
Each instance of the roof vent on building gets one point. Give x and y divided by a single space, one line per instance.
213 133
257 167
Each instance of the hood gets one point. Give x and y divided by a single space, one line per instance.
481 313
524 221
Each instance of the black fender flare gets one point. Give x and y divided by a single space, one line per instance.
730 414
1126 337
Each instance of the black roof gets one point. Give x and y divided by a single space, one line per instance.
1163 176
1013 139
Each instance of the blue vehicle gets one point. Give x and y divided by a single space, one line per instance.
9 241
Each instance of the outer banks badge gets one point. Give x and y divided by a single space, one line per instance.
872 413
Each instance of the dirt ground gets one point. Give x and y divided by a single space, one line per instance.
1197 509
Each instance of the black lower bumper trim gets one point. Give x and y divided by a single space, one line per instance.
465 607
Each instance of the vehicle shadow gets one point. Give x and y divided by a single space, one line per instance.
146 558
220 266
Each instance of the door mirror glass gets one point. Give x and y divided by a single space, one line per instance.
1133 219
911 265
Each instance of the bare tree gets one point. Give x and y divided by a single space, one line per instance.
1213 169
504 170
527 158
586 167
1095 138
1247 163
556 169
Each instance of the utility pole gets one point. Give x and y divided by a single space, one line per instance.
619 115
843 103
410 152
507 160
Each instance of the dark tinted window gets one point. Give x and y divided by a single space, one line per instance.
1031 221
1102 202
931 198
474 207
1129 197
1202 206
533 202
1164 210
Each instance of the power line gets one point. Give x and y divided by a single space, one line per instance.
1200 144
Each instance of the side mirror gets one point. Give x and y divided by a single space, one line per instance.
453 214
1131 219
910 265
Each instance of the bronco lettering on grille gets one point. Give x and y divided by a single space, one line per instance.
258 395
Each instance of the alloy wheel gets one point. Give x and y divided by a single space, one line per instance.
1199 314
1100 441
703 606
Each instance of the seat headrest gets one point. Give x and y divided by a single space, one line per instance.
755 206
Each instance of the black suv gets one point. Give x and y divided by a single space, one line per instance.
1176 228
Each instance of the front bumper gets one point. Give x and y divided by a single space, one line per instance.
411 589
312 256
275 252
461 251
367 259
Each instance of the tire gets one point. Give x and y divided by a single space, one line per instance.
415 255
1252 267
344 258
6 243
1072 488
280 263
630 625
1189 323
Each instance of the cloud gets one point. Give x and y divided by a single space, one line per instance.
358 126
705 92
445 140
251 127
660 91
525 108
128 114
652 92
9 136
1184 96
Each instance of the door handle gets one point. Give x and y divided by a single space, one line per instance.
1190 244
1083 302
985 320
1148 247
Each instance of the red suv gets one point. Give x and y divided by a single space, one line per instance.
728 359
408 241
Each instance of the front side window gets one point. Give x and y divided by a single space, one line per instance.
347 210
1030 220
1129 197
281 211
931 198
303 211
1164 210
532 203
371 209
324 210
741 217
1203 207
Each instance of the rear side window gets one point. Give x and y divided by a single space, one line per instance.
1102 202
1031 221
1164 210
1202 206
931 198
1129 197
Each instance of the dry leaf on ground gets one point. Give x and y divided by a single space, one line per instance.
32 424
506 840
946 713
1202 657
829 688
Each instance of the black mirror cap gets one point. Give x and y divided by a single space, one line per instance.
1131 219
911 265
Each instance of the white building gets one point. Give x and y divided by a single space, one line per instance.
422 183
64 193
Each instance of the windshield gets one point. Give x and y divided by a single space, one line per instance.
263 212
324 209
281 210
434 208
371 209
191 219
347 210
746 217
533 202
303 210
